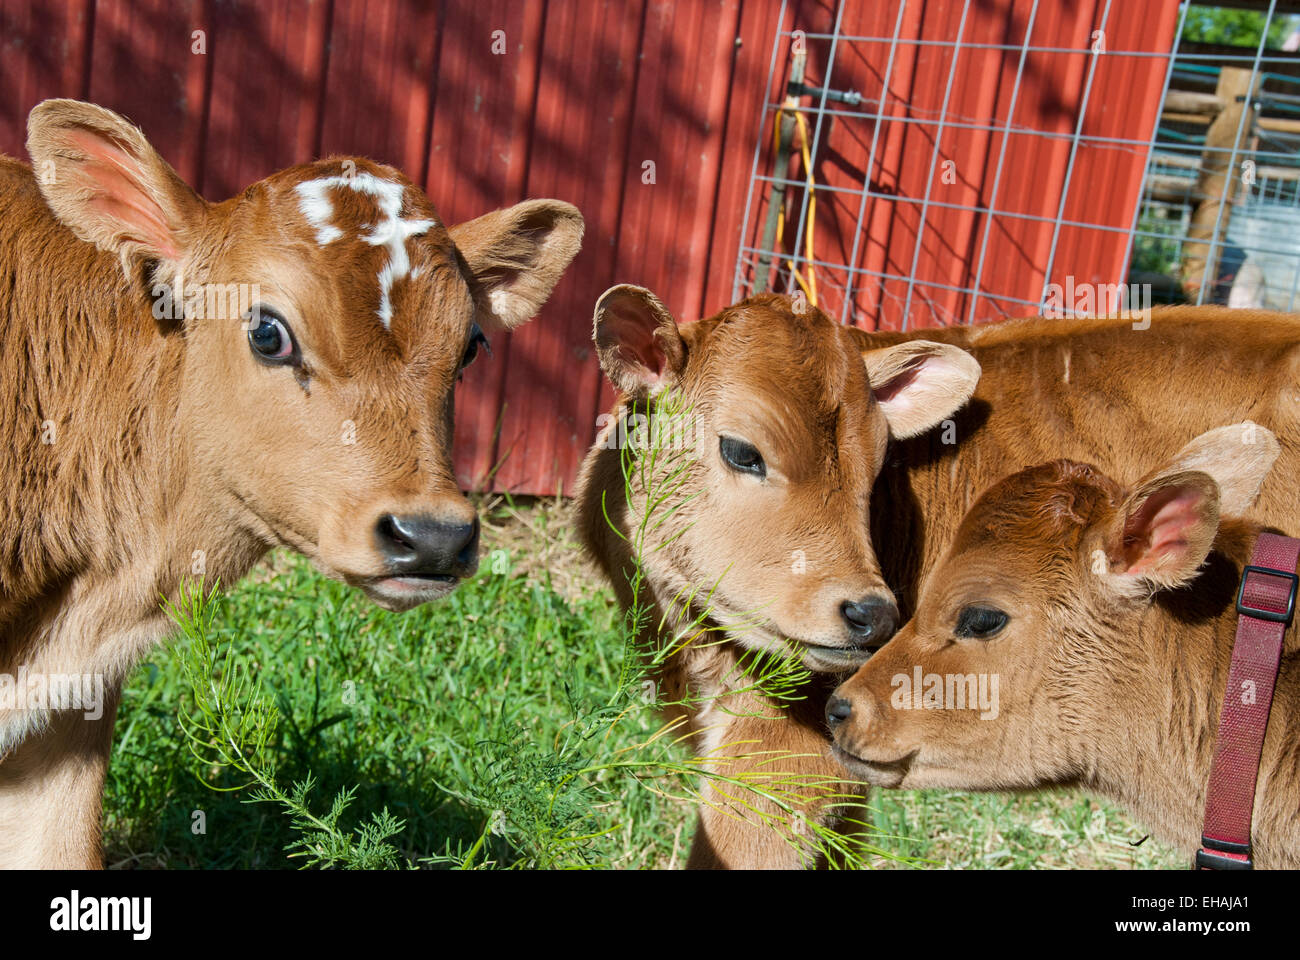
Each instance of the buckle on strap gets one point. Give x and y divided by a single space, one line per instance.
1209 860
1259 613
1223 855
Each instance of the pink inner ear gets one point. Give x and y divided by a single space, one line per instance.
1158 532
895 385
119 195
633 332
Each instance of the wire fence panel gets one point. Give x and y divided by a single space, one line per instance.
966 156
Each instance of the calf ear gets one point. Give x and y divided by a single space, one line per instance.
637 340
1167 525
1236 457
103 180
919 383
1163 532
517 255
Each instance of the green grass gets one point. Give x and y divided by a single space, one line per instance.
407 708
1051 830
463 718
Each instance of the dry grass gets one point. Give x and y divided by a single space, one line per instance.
540 535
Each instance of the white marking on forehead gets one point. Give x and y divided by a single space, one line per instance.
391 231
318 210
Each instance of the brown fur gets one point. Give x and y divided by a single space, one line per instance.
1128 398
1111 675
1098 391
795 386
174 451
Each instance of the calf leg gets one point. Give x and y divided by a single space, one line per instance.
51 792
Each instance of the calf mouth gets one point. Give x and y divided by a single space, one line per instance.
878 773
406 592
816 657
824 659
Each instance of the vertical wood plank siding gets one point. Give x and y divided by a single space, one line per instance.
586 95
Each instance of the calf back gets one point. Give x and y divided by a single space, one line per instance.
1094 390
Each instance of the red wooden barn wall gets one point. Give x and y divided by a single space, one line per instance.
585 94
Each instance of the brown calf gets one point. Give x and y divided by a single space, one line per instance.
192 383
1109 391
1101 621
792 428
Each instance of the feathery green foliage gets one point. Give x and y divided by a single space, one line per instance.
231 725
405 711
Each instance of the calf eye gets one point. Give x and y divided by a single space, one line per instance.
471 350
980 622
741 456
269 336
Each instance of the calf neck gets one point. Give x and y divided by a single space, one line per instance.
1115 392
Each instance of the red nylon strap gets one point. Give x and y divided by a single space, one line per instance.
1256 653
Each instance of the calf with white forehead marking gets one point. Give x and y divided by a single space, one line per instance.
192 383
389 232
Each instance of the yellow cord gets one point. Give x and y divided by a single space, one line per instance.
810 286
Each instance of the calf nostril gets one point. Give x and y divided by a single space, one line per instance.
392 535
856 615
469 548
871 620
837 711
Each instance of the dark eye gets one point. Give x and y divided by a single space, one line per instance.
269 336
476 339
980 622
741 456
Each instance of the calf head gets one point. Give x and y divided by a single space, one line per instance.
324 315
1026 637
761 515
